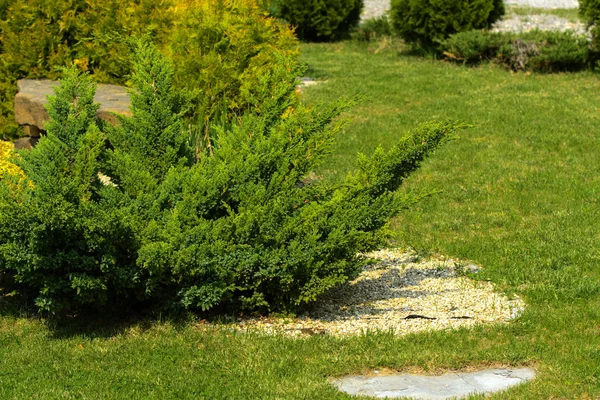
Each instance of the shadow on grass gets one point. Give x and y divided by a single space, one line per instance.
91 322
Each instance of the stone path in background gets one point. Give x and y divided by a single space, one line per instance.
544 22
544 3
376 8
423 387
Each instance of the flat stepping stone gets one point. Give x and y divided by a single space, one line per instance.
447 386
33 95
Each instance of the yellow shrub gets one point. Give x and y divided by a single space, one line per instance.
225 49
6 166
222 49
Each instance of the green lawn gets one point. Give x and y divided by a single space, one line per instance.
520 195
570 14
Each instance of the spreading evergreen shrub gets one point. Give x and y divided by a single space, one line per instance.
221 48
236 224
321 20
542 51
472 47
429 22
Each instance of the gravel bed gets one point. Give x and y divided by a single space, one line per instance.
544 22
374 8
544 3
401 293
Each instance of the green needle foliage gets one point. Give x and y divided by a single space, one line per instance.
589 11
429 22
321 20
63 236
237 225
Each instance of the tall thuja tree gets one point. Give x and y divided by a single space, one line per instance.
62 237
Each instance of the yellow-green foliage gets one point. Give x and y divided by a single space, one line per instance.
6 166
228 49
221 48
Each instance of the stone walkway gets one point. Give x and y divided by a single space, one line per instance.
376 8
544 22
544 3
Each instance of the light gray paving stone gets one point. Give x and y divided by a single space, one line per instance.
423 387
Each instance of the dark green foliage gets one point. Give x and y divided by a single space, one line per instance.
240 227
373 29
498 11
474 46
589 11
62 235
321 20
542 51
429 22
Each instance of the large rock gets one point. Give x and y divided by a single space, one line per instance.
33 95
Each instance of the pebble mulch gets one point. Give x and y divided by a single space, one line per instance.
544 22
543 3
376 8
399 293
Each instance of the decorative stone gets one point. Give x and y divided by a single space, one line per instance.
33 95
25 143
32 131
424 387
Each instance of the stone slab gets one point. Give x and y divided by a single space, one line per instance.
424 387
33 95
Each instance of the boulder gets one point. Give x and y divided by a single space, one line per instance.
33 95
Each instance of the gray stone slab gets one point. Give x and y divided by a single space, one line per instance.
424 387
33 95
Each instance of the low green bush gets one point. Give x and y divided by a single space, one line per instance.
373 29
321 20
151 219
429 22
542 51
474 46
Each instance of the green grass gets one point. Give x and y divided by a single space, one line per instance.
519 195
570 14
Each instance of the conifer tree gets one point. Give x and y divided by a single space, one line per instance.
240 227
61 236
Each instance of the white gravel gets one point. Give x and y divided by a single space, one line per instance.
544 3
398 293
544 22
376 8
